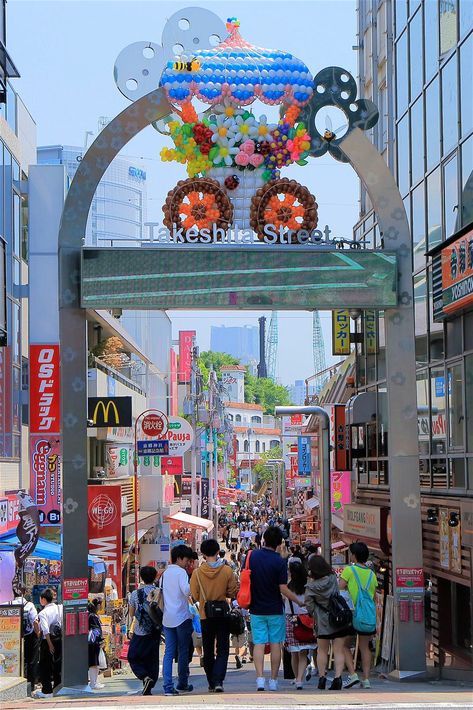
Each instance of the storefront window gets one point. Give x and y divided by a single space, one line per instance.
456 473
467 182
382 422
450 195
416 55
437 398
466 94
424 473
456 416
454 338
449 105
439 472
431 38
423 419
432 125
402 77
382 348
436 329
469 403
434 209
448 25
420 305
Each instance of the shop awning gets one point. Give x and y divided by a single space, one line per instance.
146 520
311 503
191 521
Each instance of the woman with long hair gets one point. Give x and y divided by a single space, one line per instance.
320 587
95 643
297 649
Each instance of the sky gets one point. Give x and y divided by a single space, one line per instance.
65 51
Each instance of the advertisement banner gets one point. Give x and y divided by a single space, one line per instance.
340 332
27 532
180 435
10 640
340 438
45 477
457 274
172 465
341 490
9 517
44 389
303 451
362 520
205 502
105 529
186 486
186 339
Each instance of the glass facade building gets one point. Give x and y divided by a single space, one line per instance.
416 63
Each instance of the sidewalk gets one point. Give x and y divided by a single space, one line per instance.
122 691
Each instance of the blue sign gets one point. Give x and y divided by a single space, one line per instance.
153 447
440 386
303 451
136 173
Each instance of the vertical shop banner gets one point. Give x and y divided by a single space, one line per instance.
340 490
340 332
371 334
205 503
45 477
303 452
5 402
174 401
340 438
105 529
186 339
44 389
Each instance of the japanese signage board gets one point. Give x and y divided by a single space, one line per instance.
155 425
362 520
410 579
109 411
303 451
75 590
45 477
371 334
186 486
44 389
340 332
186 339
172 465
452 276
10 640
204 498
105 530
153 447
340 490
339 435
8 513
180 435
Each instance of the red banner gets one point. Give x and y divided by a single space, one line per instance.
186 338
5 402
174 401
105 529
9 517
172 465
46 477
44 389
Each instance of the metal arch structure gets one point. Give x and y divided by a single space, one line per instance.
400 365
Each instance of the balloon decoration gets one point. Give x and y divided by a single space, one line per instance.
285 205
197 204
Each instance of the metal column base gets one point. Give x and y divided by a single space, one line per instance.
406 676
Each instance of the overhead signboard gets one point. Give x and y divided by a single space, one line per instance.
109 412
340 332
245 277
452 277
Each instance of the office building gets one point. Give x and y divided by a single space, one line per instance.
240 341
416 64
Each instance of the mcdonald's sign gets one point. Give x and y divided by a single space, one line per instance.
109 412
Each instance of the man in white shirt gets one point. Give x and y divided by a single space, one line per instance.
30 634
177 620
50 654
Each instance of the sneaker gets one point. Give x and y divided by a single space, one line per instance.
322 682
219 688
365 684
337 683
308 674
352 680
211 690
201 662
238 662
243 660
299 686
40 694
187 689
273 684
171 693
260 684
98 686
147 685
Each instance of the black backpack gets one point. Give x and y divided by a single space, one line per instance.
339 613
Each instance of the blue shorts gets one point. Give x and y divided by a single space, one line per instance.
268 628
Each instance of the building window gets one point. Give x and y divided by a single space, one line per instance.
420 305
437 398
432 124
450 196
449 105
237 445
434 208
402 77
257 446
273 443
469 404
466 81
448 25
456 417
466 17
403 155
417 141
230 416
238 417
401 14
256 420
416 55
431 38
467 182
456 473
418 226
264 447
246 446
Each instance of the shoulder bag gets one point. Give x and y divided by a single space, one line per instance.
213 609
244 593
303 627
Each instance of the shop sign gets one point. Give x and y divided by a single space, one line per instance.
341 490
340 332
46 477
186 486
180 435
371 335
173 384
453 276
339 435
75 590
8 513
105 529
186 340
44 389
410 579
466 515
109 411
205 502
303 451
119 460
296 419
153 447
363 521
172 465
10 640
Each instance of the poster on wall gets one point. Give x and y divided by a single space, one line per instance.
455 545
10 640
444 539
105 529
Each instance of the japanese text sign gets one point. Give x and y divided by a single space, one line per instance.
340 332
44 389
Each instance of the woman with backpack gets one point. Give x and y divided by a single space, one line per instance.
361 583
321 588
143 652
299 636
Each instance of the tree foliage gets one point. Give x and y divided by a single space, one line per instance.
213 360
260 469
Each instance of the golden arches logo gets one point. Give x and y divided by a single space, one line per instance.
106 411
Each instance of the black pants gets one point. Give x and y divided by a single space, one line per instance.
31 644
143 656
215 631
50 665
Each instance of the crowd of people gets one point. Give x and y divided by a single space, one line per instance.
298 607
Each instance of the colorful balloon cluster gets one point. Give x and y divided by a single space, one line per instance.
290 144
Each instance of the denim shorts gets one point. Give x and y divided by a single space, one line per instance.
268 628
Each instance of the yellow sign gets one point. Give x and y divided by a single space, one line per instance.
106 412
109 411
340 332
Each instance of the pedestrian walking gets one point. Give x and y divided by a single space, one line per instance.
143 652
268 622
361 583
50 653
177 620
95 645
30 634
296 614
321 587
211 585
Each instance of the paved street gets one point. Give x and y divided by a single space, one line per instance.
120 691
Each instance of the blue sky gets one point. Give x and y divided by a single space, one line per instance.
65 51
